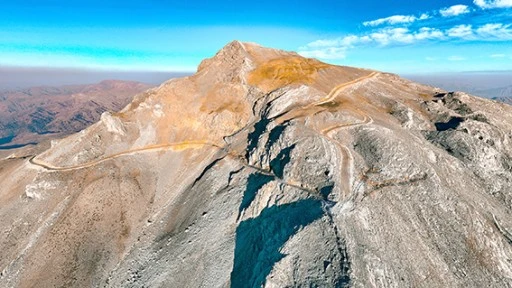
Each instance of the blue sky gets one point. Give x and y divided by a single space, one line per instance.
422 36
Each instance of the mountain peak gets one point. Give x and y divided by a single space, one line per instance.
233 56
260 66
238 44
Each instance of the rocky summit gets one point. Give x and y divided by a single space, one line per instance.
269 169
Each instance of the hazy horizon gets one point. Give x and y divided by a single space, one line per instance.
25 77
471 82
13 78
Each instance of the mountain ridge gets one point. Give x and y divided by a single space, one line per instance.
268 169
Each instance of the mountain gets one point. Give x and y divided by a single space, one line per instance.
507 100
269 169
31 115
503 94
488 84
496 93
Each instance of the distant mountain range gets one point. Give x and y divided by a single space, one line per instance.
31 115
507 100
503 94
494 85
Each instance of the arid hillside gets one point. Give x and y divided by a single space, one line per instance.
31 115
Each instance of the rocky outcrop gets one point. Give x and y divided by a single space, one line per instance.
268 169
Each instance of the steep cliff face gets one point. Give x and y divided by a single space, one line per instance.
268 169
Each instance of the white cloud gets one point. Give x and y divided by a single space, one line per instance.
460 31
454 10
326 53
431 58
497 55
385 36
347 41
396 19
429 33
323 43
456 58
491 31
424 16
495 31
337 48
489 4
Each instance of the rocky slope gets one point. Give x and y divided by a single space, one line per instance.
269 169
38 113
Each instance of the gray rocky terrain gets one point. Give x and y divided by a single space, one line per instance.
266 169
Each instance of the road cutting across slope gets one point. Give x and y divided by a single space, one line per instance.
347 165
315 107
185 145
168 146
335 92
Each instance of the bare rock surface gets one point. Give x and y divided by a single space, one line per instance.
266 169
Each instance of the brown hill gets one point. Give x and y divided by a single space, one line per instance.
31 115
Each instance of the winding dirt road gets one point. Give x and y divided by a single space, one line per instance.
169 146
335 92
316 107
346 167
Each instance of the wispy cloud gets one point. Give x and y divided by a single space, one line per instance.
451 11
337 48
495 31
460 31
396 19
497 55
489 4
454 10
331 52
383 37
442 26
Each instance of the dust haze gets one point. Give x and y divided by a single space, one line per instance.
18 77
